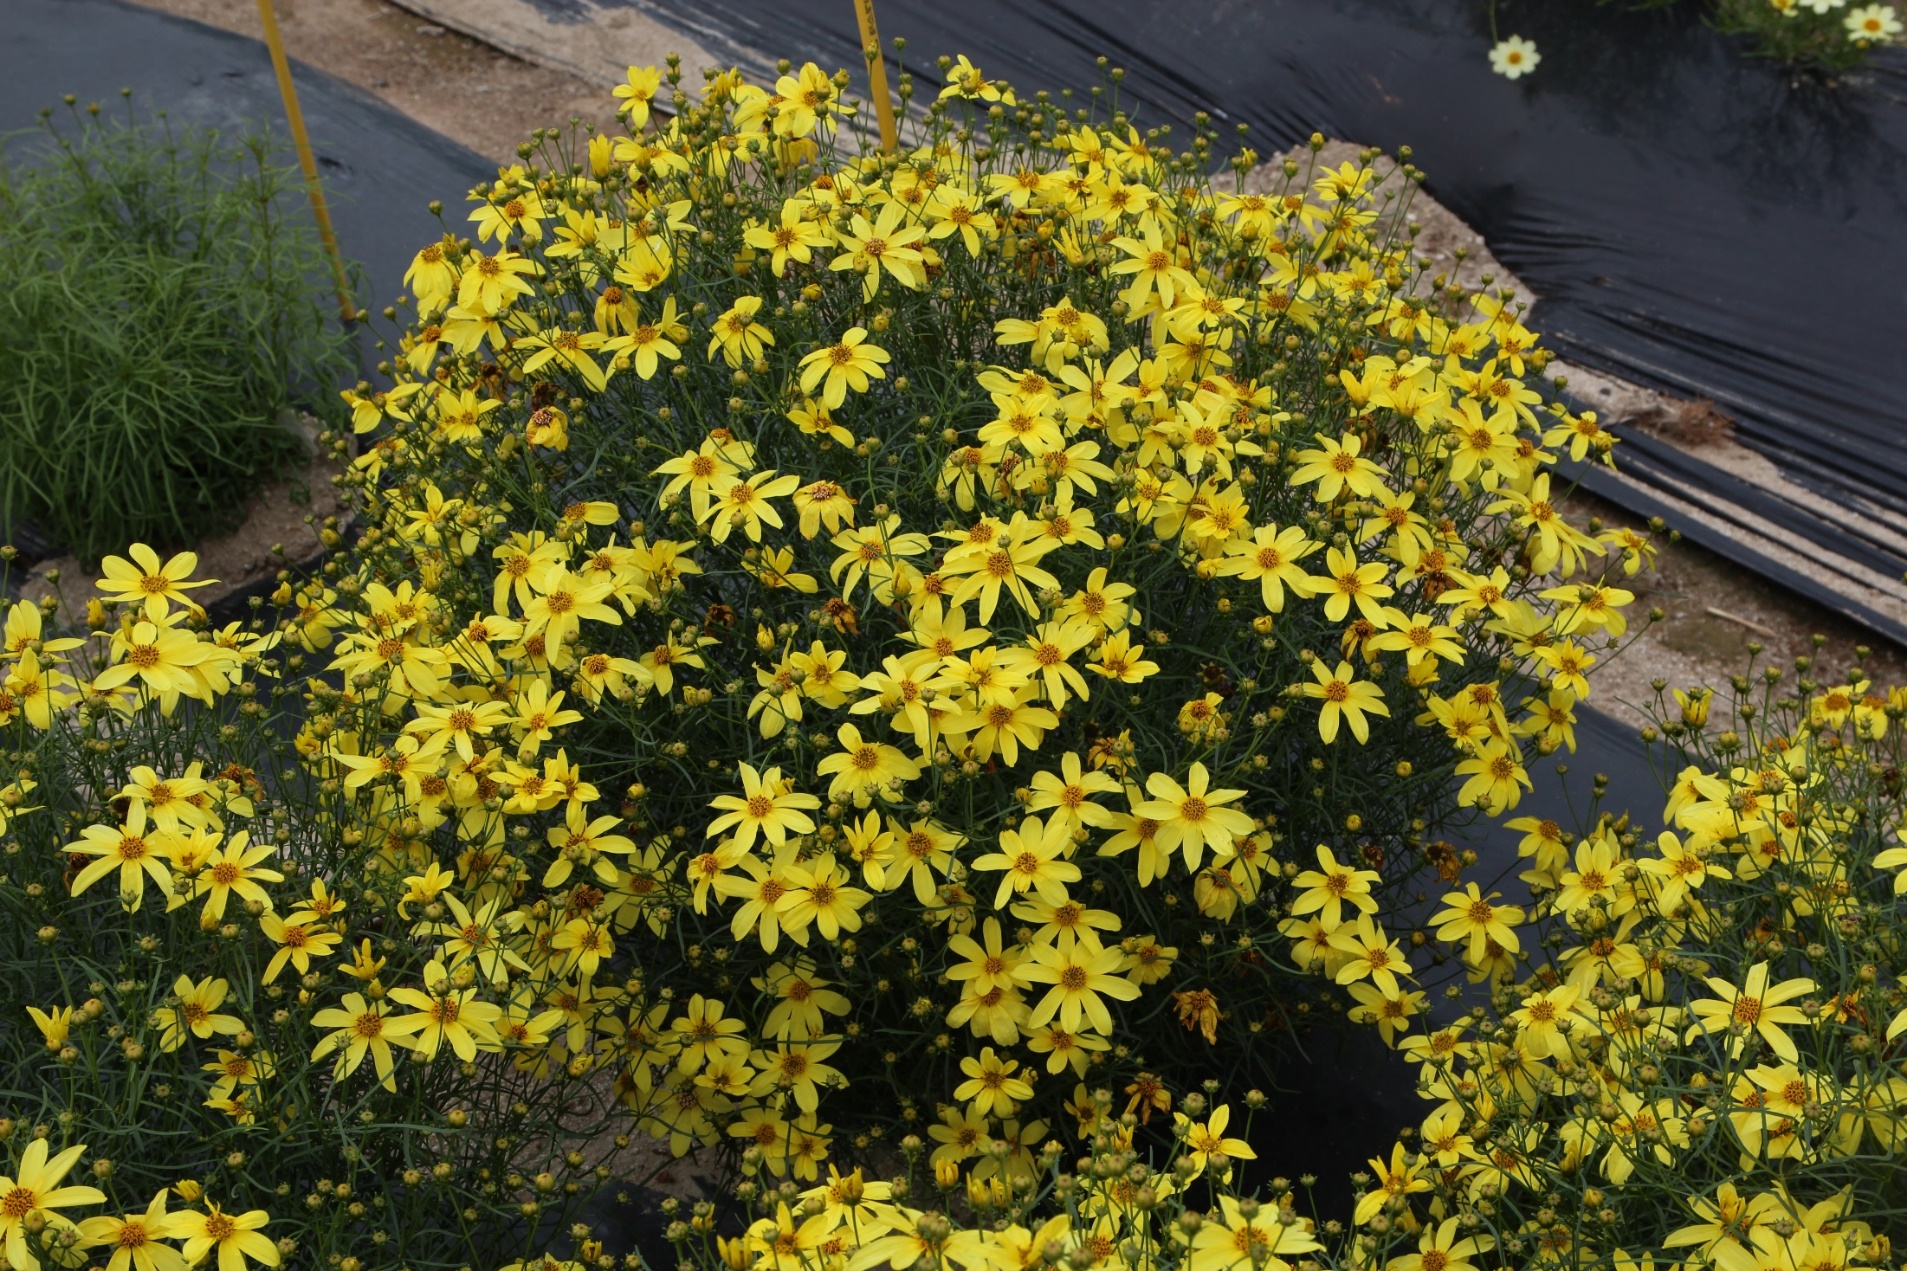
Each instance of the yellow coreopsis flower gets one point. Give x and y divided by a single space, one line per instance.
644 343
793 237
819 894
874 552
236 868
1193 817
1154 267
161 658
862 769
431 278
991 1088
987 967
885 246
580 840
704 472
1031 856
136 851
1346 699
1734 1232
780 1244
797 1068
1439 1249
573 349
559 603
445 1013
196 1013
1122 659
144 581
489 284
1328 889
1496 778
636 93
297 943
1683 870
34 1190
965 80
235 1237
804 1001
537 713
746 502
824 505
1338 466
760 888
586 944
1756 1006
737 336
1473 919
456 726
1082 974
1270 558
848 364
1542 1021
1206 1143
135 1239
1233 1241
1348 582
1420 636
1395 1179
1009 563
1368 952
172 803
706 1035
55 1024
1003 727
956 211
39 691
767 805
1067 795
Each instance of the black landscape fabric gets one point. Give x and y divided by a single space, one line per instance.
379 169
1693 218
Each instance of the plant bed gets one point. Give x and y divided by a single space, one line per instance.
614 783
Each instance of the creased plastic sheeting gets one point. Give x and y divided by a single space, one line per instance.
1839 553
1693 218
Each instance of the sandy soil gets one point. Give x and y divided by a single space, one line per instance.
471 93
280 531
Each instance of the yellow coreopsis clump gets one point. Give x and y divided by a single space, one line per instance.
911 536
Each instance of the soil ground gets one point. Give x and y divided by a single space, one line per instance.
280 531
491 101
473 94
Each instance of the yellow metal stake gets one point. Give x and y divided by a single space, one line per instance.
876 71
295 117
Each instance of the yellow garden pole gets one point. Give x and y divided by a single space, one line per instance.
876 71
295 117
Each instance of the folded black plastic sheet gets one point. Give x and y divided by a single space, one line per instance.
379 168
1693 218
1836 552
